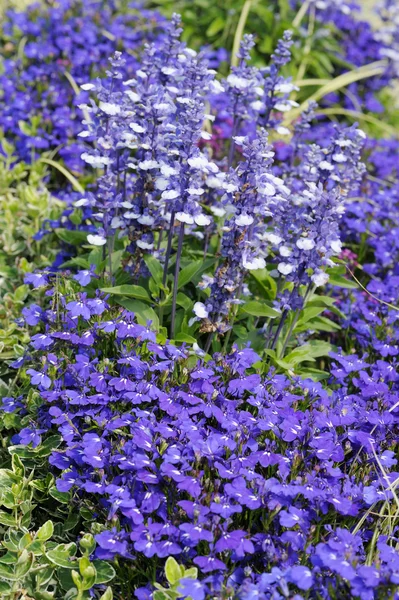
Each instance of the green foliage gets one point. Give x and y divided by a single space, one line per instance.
33 563
174 573
25 203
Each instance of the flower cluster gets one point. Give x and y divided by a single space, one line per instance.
259 442
191 459
48 52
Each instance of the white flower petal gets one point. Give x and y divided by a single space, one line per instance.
200 310
96 240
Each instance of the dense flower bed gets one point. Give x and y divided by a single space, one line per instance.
211 373
48 52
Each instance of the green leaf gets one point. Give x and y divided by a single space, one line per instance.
63 555
315 374
24 564
87 543
77 261
7 519
104 571
72 180
155 268
6 572
17 466
158 595
7 478
75 238
142 311
9 558
308 352
267 284
260 309
48 446
321 301
184 301
308 313
186 275
191 573
216 26
320 324
63 497
342 282
71 522
129 291
45 531
184 337
173 570
107 595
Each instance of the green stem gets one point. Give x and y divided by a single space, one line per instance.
176 280
301 13
240 31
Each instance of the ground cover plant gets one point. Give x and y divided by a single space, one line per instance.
200 399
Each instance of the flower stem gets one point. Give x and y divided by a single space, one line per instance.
295 321
279 328
168 248
176 279
240 31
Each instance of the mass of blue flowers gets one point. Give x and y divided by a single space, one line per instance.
212 357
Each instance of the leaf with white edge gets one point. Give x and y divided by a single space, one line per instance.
173 571
104 571
24 564
191 573
45 531
63 555
7 519
107 595
63 497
